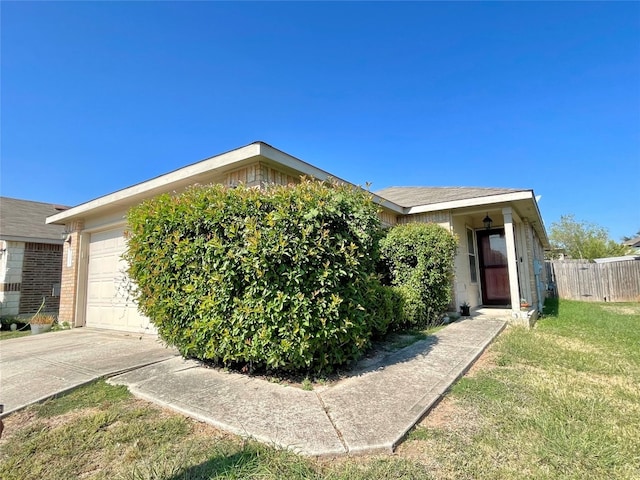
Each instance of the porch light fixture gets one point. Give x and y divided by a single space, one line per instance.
487 221
65 233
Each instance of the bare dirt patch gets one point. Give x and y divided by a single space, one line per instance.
65 418
202 429
14 422
451 415
450 419
486 361
444 415
448 427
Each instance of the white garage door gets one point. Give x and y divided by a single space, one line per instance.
108 303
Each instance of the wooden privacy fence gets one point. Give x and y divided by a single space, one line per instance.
595 282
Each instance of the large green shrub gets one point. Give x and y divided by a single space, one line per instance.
420 258
276 278
386 307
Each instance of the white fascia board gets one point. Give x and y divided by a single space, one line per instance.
178 177
163 181
289 161
304 168
16 238
383 202
544 238
472 202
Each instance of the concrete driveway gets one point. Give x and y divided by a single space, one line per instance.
37 367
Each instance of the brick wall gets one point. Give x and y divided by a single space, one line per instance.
69 279
41 270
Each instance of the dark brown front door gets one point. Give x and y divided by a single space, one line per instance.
494 272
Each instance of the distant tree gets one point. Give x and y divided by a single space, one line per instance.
583 240
626 239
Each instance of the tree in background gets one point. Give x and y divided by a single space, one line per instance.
583 240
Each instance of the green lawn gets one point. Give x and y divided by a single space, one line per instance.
559 401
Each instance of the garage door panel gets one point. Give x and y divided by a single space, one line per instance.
108 302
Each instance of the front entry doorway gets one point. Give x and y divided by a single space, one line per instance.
494 270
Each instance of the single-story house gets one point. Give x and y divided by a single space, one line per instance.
30 257
499 262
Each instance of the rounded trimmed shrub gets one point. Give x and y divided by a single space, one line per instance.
420 258
276 278
386 308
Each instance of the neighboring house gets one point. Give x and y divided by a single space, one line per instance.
498 264
634 245
30 257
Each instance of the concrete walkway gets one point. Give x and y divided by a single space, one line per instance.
369 411
37 367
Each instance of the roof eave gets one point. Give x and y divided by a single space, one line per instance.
309 170
155 185
181 177
20 238
487 200
471 202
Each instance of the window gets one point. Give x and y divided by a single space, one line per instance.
471 248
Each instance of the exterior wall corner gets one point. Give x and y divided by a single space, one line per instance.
69 278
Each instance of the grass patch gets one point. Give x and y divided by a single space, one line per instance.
8 334
99 395
559 401
100 432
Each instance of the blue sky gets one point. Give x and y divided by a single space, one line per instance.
97 96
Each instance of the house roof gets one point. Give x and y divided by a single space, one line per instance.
399 200
416 200
415 196
24 221
633 242
201 172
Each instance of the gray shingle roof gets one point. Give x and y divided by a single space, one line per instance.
634 242
414 196
26 219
